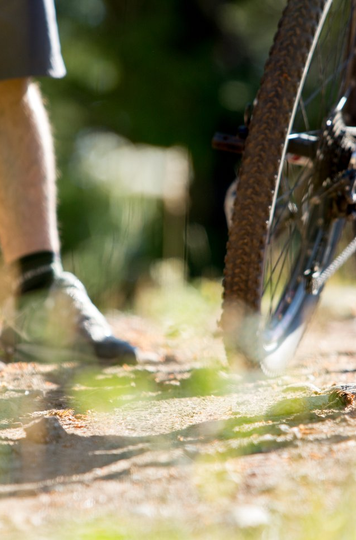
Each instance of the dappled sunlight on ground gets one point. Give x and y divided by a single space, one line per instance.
178 446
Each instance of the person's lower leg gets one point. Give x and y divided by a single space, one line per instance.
30 244
27 173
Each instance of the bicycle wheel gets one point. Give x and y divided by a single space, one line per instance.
282 231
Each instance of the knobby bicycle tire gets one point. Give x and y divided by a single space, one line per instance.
266 146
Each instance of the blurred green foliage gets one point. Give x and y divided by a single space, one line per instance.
165 73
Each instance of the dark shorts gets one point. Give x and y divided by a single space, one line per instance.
29 42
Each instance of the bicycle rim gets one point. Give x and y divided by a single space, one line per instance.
265 271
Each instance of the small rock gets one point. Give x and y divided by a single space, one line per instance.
45 431
146 510
350 388
284 428
250 516
148 357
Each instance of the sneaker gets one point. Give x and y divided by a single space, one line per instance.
61 324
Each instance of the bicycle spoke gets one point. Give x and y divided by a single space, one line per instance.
278 260
288 196
304 113
285 253
326 82
293 207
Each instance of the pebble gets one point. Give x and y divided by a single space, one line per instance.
249 516
45 431
351 388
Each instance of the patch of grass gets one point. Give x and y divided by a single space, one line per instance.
92 390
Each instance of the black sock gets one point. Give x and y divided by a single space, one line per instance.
35 271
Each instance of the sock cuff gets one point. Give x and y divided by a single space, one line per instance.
35 271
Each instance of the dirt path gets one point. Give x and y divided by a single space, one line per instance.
179 448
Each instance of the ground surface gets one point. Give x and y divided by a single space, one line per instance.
177 447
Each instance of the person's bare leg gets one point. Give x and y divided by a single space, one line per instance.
55 311
28 221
